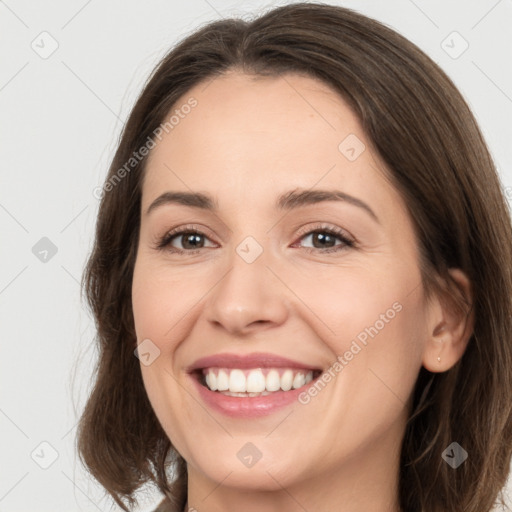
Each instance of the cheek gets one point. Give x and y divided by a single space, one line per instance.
358 303
164 303
377 345
374 326
159 303
161 300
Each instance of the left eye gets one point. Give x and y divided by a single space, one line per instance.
326 239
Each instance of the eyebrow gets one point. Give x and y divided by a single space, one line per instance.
288 201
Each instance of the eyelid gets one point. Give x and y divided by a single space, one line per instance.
346 238
163 241
322 226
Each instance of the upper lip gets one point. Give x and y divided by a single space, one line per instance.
255 360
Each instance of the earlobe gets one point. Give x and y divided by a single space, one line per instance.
450 323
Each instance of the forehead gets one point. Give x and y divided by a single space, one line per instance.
248 137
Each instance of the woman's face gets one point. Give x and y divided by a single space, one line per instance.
301 260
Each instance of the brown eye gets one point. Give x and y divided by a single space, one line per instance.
325 240
185 240
322 240
191 240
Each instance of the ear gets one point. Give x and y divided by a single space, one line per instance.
449 327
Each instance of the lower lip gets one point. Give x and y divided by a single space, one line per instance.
248 407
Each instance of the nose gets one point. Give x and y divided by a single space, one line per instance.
248 298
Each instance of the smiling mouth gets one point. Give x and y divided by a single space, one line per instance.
256 381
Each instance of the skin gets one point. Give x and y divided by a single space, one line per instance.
247 141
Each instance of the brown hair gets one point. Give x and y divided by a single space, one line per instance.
425 133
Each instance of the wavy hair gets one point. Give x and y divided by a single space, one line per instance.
437 159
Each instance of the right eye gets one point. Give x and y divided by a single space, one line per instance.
191 241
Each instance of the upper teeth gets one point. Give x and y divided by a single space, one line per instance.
257 380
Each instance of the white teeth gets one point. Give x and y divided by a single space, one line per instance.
222 381
298 381
287 380
211 381
273 381
229 393
237 381
255 382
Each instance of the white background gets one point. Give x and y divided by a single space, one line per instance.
61 117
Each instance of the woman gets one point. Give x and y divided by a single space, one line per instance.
304 242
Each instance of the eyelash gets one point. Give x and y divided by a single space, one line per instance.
165 241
